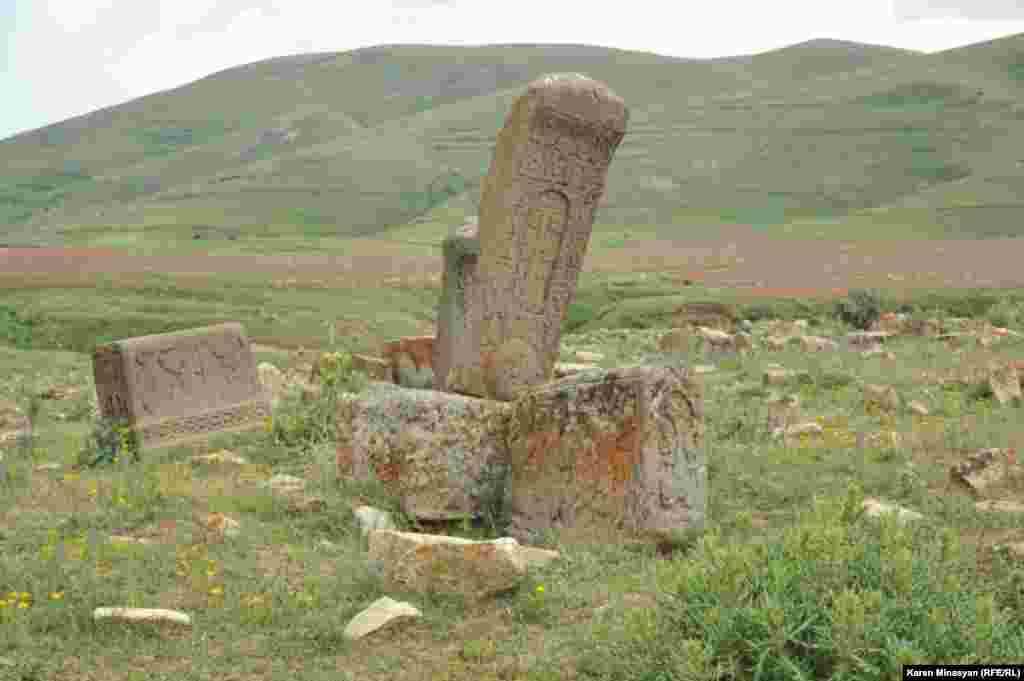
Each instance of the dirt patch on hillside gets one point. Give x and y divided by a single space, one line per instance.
740 259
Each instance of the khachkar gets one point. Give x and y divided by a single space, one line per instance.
176 387
506 290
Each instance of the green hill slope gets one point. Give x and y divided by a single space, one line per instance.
292 153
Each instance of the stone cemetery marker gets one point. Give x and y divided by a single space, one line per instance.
181 386
506 292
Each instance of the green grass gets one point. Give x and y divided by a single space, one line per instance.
786 583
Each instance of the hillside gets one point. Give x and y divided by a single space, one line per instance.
303 152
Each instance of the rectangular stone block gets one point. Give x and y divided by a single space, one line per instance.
537 210
181 386
442 454
459 306
609 455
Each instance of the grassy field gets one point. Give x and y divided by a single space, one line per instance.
787 583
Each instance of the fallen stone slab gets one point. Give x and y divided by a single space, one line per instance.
383 613
615 454
442 454
135 615
431 562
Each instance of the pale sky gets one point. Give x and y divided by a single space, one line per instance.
63 58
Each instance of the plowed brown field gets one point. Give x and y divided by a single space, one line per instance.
750 263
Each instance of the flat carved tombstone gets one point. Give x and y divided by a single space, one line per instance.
536 214
181 386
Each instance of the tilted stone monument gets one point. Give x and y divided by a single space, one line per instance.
181 386
505 292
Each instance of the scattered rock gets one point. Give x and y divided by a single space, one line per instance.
918 408
157 615
882 397
874 508
777 377
221 524
798 429
867 338
1005 383
999 506
370 519
984 468
783 411
308 505
284 483
589 357
381 614
219 458
776 342
562 369
59 392
817 343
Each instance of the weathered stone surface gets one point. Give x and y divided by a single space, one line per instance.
1004 381
439 452
439 563
537 209
377 368
382 614
460 296
610 453
178 387
984 468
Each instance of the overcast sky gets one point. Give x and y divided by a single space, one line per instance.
62 58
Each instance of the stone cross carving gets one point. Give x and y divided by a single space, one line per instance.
507 286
